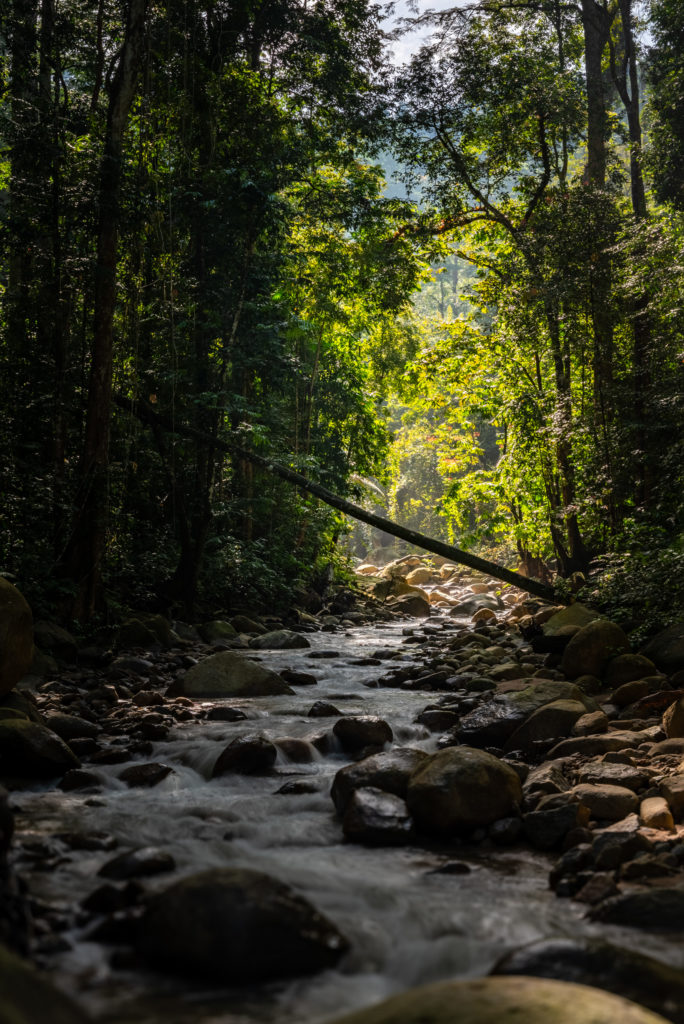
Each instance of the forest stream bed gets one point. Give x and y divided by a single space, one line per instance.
414 912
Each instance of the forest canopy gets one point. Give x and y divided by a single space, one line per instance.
457 279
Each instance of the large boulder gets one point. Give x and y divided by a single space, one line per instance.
622 971
228 674
459 789
666 649
16 636
496 720
28 997
628 667
234 925
356 732
592 648
279 640
551 721
498 999
29 750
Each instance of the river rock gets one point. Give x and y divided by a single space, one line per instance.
54 640
590 746
376 818
419 575
611 968
461 788
294 678
546 778
551 721
546 828
150 774
141 863
610 803
627 668
591 649
244 624
672 789
654 812
71 727
145 630
673 720
32 751
388 771
666 649
228 674
605 773
237 925
630 692
656 909
279 640
361 731
217 629
411 604
28 997
591 723
577 615
471 605
16 636
496 720
246 755
498 999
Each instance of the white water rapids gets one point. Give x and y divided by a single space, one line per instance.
406 924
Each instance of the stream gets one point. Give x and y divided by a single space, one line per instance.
407 921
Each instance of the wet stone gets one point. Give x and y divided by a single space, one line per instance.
141 863
246 755
225 714
388 771
323 709
362 731
298 678
145 774
376 818
78 778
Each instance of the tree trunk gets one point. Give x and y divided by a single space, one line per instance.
147 415
86 547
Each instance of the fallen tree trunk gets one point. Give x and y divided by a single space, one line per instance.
146 414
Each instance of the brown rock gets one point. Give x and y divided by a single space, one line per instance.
672 789
595 722
462 788
498 999
610 803
654 812
627 668
673 720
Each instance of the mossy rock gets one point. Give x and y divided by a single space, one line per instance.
26 997
29 750
516 1000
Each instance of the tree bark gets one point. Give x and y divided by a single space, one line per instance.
86 546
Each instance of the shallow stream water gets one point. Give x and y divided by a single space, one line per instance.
407 923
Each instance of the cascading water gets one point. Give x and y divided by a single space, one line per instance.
408 922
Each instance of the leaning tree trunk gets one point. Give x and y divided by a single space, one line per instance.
86 547
147 415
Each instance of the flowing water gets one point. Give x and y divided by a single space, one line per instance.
407 923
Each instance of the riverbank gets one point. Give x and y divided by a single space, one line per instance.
175 778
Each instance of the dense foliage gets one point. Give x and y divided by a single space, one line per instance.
197 248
